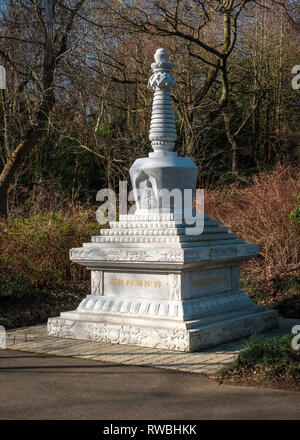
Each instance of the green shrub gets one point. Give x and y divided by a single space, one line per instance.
266 358
34 251
272 355
295 214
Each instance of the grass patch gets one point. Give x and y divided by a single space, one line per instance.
268 362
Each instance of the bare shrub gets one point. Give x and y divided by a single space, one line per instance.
259 213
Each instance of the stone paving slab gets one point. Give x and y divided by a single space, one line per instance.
35 340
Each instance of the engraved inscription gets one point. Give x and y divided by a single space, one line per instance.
136 285
209 281
133 283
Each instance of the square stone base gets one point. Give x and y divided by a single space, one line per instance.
154 286
185 336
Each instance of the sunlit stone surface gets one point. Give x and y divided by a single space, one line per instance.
152 284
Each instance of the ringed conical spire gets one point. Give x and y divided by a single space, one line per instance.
163 130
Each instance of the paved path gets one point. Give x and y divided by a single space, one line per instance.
54 387
35 339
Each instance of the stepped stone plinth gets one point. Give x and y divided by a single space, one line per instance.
152 283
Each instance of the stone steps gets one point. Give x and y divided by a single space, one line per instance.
160 232
118 246
157 224
158 217
210 238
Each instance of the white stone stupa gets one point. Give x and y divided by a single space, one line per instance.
153 283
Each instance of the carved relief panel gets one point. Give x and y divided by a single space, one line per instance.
97 282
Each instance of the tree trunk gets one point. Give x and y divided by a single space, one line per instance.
232 140
3 200
31 139
36 132
255 132
234 156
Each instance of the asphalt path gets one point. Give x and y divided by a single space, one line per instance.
42 387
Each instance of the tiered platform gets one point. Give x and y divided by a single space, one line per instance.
182 294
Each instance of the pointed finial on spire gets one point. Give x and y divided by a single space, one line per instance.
163 130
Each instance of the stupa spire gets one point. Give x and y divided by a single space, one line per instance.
163 130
